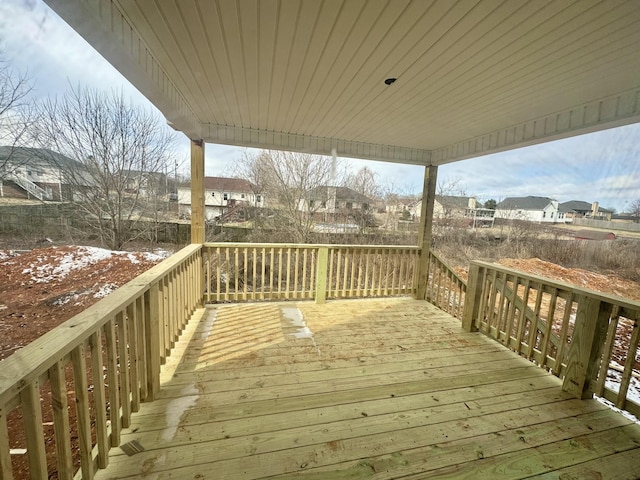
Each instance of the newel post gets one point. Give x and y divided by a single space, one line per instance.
152 339
321 274
473 298
583 359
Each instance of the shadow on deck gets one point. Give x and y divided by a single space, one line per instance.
362 389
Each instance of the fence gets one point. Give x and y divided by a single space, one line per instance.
105 360
580 335
242 272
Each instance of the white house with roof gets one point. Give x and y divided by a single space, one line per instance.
530 209
222 195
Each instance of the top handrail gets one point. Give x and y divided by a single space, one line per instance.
307 245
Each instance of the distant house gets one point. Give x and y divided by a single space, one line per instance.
579 209
454 207
329 199
530 209
395 204
35 173
221 196
145 183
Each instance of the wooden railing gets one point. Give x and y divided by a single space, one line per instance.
579 335
104 361
445 288
242 272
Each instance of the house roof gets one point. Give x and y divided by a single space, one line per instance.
452 201
523 203
575 206
344 194
580 206
36 156
226 184
472 77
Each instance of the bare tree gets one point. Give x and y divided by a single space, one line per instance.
634 210
123 151
16 113
289 182
364 181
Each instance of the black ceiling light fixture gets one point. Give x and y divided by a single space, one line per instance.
389 81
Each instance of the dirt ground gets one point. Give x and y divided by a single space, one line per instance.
610 284
42 288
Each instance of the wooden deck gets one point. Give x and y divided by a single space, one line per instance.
382 389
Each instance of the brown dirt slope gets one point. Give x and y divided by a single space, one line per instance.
44 287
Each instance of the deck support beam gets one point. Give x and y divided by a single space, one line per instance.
197 191
424 234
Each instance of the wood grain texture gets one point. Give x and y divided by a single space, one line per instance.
383 389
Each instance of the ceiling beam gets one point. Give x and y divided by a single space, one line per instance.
247 137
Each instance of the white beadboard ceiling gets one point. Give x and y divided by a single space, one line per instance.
473 76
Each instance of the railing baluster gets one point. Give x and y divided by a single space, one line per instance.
533 324
330 275
628 366
142 347
245 273
271 272
99 398
6 471
522 317
562 342
112 379
34 433
82 410
295 272
280 273
125 386
263 270
61 426
607 350
548 329
288 284
254 282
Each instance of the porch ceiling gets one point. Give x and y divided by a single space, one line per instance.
473 76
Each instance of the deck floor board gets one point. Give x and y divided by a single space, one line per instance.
363 389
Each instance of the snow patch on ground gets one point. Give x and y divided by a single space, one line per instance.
624 413
105 290
47 269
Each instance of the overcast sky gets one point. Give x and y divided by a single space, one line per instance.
603 167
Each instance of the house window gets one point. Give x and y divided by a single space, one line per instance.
349 205
551 214
323 204
311 203
544 214
242 195
365 206
258 198
213 194
225 196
